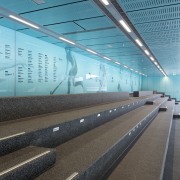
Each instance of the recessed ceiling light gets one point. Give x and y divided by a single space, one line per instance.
105 2
139 42
117 62
91 51
66 40
125 26
23 21
155 63
147 52
125 66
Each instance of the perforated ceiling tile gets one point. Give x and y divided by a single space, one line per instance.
156 14
159 26
131 5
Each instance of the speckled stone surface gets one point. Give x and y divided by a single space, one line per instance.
90 153
30 162
146 159
171 171
19 107
40 130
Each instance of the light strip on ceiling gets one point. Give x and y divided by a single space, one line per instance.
66 40
119 17
147 52
105 2
23 21
152 58
107 58
139 42
55 35
125 26
91 51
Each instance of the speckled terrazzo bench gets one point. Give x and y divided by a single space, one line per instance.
26 163
146 160
89 156
29 162
53 129
20 107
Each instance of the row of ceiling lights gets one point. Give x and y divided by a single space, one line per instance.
127 28
73 43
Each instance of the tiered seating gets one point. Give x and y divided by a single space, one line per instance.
26 163
20 136
90 155
146 160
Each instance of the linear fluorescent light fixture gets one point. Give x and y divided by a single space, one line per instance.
107 58
23 21
117 62
152 58
105 2
139 42
147 52
91 51
66 40
125 26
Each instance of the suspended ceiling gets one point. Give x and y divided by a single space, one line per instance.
82 21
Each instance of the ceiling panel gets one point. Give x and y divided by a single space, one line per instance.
65 27
96 34
65 13
94 23
25 6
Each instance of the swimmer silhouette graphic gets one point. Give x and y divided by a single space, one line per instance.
71 73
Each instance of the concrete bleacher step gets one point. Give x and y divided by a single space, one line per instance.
26 163
88 156
163 108
146 160
171 171
177 111
52 129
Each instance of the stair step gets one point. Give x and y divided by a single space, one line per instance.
26 163
53 129
146 159
88 156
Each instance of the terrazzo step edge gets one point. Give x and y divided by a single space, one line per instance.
26 163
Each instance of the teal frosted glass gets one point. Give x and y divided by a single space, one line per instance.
35 67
